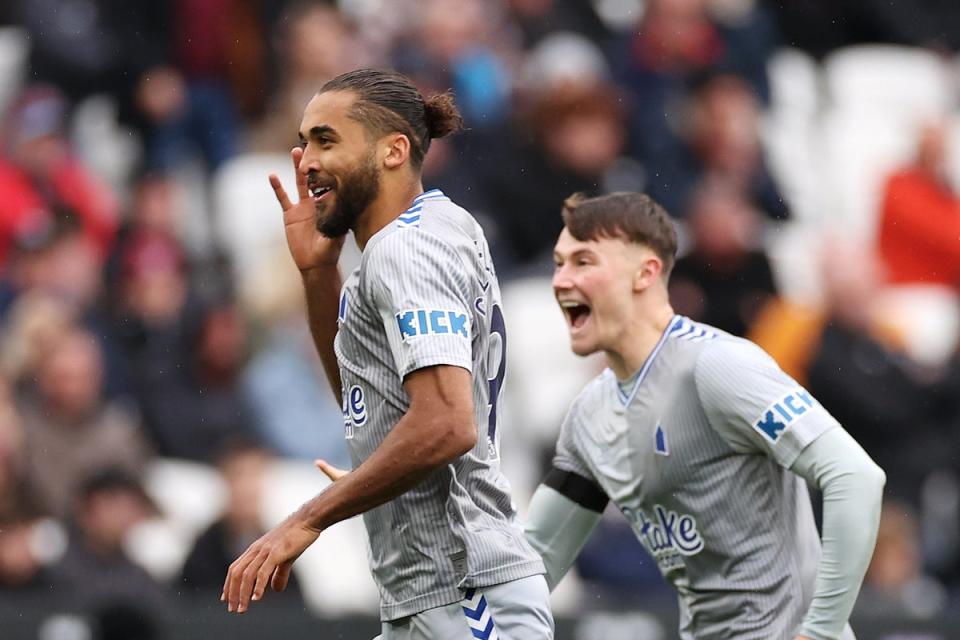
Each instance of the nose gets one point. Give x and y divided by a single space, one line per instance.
561 278
307 162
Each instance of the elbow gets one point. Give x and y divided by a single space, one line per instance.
451 438
462 438
876 478
868 481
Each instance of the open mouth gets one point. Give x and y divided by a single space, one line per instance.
318 192
577 313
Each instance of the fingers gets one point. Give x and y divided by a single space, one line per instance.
329 470
297 154
278 191
247 578
281 576
262 579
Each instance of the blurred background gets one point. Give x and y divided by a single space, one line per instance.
160 399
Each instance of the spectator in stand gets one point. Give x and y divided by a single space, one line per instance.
288 389
244 466
578 134
537 19
14 497
96 576
457 45
315 43
41 178
721 141
920 218
896 584
192 101
199 404
97 47
22 570
673 41
462 46
675 44
153 303
152 220
903 414
726 277
71 430
31 328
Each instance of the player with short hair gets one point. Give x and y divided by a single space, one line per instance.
702 442
413 344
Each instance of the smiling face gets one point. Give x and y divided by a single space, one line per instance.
340 162
595 282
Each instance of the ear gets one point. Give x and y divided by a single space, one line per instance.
396 150
648 272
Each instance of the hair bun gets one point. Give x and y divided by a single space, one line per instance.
441 115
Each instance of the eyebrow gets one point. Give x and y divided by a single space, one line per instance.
575 253
319 131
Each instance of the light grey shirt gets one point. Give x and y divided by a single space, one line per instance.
696 456
426 294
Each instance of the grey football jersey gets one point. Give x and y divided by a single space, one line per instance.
695 455
426 294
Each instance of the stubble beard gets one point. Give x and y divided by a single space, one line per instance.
358 189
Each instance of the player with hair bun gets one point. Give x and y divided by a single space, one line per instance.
413 344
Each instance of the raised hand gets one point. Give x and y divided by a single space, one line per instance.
309 247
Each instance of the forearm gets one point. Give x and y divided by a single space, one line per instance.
405 458
557 528
322 286
852 487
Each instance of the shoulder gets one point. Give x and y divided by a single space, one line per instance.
592 397
728 352
400 249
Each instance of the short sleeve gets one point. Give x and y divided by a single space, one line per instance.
754 405
568 456
420 287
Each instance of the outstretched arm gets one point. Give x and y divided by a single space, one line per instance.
438 428
852 486
564 510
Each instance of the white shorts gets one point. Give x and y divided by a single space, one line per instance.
518 610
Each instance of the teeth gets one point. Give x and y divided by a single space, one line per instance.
569 304
319 191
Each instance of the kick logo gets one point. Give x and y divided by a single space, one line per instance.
778 417
421 322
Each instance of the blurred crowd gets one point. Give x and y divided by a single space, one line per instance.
148 311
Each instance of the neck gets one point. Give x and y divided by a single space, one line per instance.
394 198
638 341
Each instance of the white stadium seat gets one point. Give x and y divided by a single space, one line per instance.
902 81
14 48
860 150
247 218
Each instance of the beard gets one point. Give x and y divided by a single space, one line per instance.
358 189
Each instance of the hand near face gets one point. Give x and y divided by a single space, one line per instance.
309 247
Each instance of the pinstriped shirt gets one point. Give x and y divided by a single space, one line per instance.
426 294
695 454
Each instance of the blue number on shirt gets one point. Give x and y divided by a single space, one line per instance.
497 357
